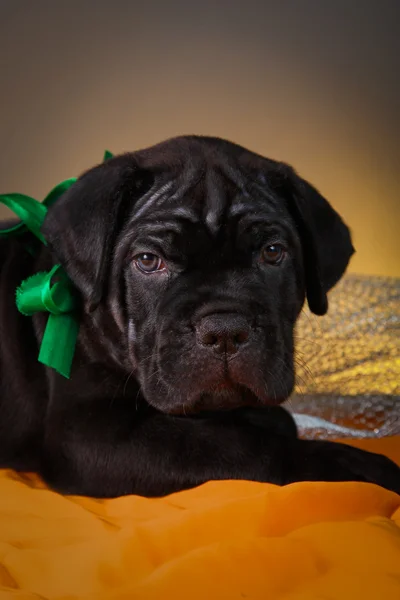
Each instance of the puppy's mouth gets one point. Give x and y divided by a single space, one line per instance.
209 383
225 395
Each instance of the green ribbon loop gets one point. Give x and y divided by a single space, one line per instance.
31 213
46 292
107 155
50 292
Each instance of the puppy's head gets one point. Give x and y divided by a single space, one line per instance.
198 255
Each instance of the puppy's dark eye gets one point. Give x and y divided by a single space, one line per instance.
273 254
149 263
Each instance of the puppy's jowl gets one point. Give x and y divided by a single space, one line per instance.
192 260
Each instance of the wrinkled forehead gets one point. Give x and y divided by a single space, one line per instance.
214 197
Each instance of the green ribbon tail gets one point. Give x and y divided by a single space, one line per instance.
58 343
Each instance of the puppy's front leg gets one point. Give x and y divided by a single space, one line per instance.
101 450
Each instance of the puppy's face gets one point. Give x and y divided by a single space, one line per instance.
201 253
214 282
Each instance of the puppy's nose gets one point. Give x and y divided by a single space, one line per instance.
223 333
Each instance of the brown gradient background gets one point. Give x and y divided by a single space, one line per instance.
313 82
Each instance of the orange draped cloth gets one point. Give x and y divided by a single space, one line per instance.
224 540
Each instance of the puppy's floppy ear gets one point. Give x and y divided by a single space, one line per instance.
82 226
325 238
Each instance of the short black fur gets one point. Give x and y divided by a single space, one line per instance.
179 374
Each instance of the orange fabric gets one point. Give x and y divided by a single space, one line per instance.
224 540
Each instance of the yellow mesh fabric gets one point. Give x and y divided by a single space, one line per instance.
348 362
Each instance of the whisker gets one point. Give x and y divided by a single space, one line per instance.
126 383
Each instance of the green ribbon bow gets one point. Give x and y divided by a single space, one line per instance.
52 291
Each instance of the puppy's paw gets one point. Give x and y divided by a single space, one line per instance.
373 468
330 461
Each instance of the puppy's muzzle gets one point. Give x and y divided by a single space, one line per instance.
223 334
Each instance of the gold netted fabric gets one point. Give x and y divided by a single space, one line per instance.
348 362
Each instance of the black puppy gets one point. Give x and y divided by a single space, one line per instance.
192 260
